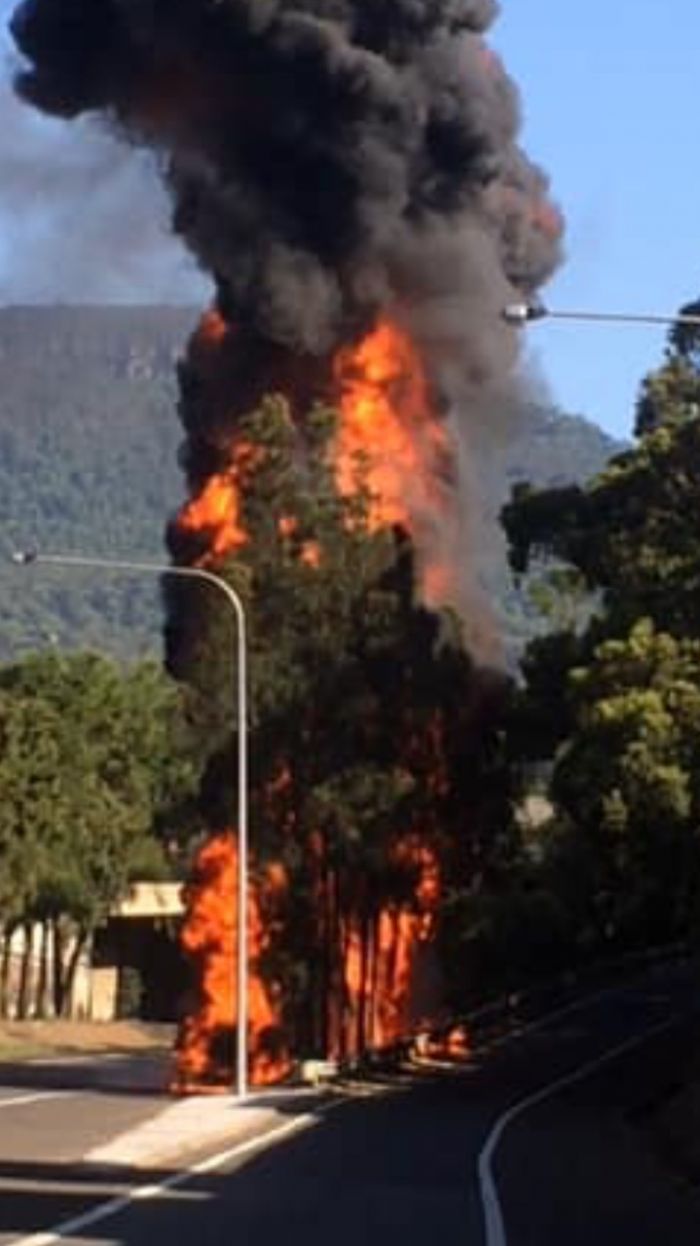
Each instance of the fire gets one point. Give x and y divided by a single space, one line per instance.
206 1043
389 435
309 552
390 979
215 511
212 330
454 1045
389 439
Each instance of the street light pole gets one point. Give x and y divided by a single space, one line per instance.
519 314
26 557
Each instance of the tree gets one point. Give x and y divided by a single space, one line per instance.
615 704
628 780
371 726
629 532
89 765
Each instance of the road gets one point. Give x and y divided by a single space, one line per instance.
537 1144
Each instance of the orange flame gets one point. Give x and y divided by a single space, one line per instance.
215 511
391 441
212 330
309 552
205 1043
390 979
388 431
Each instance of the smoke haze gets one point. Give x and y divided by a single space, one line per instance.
83 217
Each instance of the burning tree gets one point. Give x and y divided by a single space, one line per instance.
349 173
370 723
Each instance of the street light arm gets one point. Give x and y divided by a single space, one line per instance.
520 314
28 557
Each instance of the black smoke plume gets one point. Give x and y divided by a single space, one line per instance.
329 161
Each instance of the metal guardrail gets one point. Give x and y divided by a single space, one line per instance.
571 981
518 1006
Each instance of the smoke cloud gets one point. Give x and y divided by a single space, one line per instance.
329 161
327 157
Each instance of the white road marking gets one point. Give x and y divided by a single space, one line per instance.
142 1193
490 1202
17 1101
494 1225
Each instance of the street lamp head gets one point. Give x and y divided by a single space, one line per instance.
23 557
519 314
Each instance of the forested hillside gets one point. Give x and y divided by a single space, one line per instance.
88 462
548 449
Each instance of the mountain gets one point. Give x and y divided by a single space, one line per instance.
89 441
547 449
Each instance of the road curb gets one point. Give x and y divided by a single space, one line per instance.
182 1128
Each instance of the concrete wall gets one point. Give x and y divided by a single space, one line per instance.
151 900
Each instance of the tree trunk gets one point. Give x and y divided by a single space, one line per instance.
328 923
65 966
25 974
321 969
71 968
373 981
5 964
57 986
43 976
341 1000
361 1005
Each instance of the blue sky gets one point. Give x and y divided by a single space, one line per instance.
610 111
609 93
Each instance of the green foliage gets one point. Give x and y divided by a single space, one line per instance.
629 533
616 703
627 778
561 596
501 938
92 758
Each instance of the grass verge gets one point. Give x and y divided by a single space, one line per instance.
27 1040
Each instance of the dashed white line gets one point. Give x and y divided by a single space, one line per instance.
494 1225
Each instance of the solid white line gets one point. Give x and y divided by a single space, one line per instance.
142 1193
17 1100
494 1225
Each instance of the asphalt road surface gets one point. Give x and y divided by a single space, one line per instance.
541 1143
